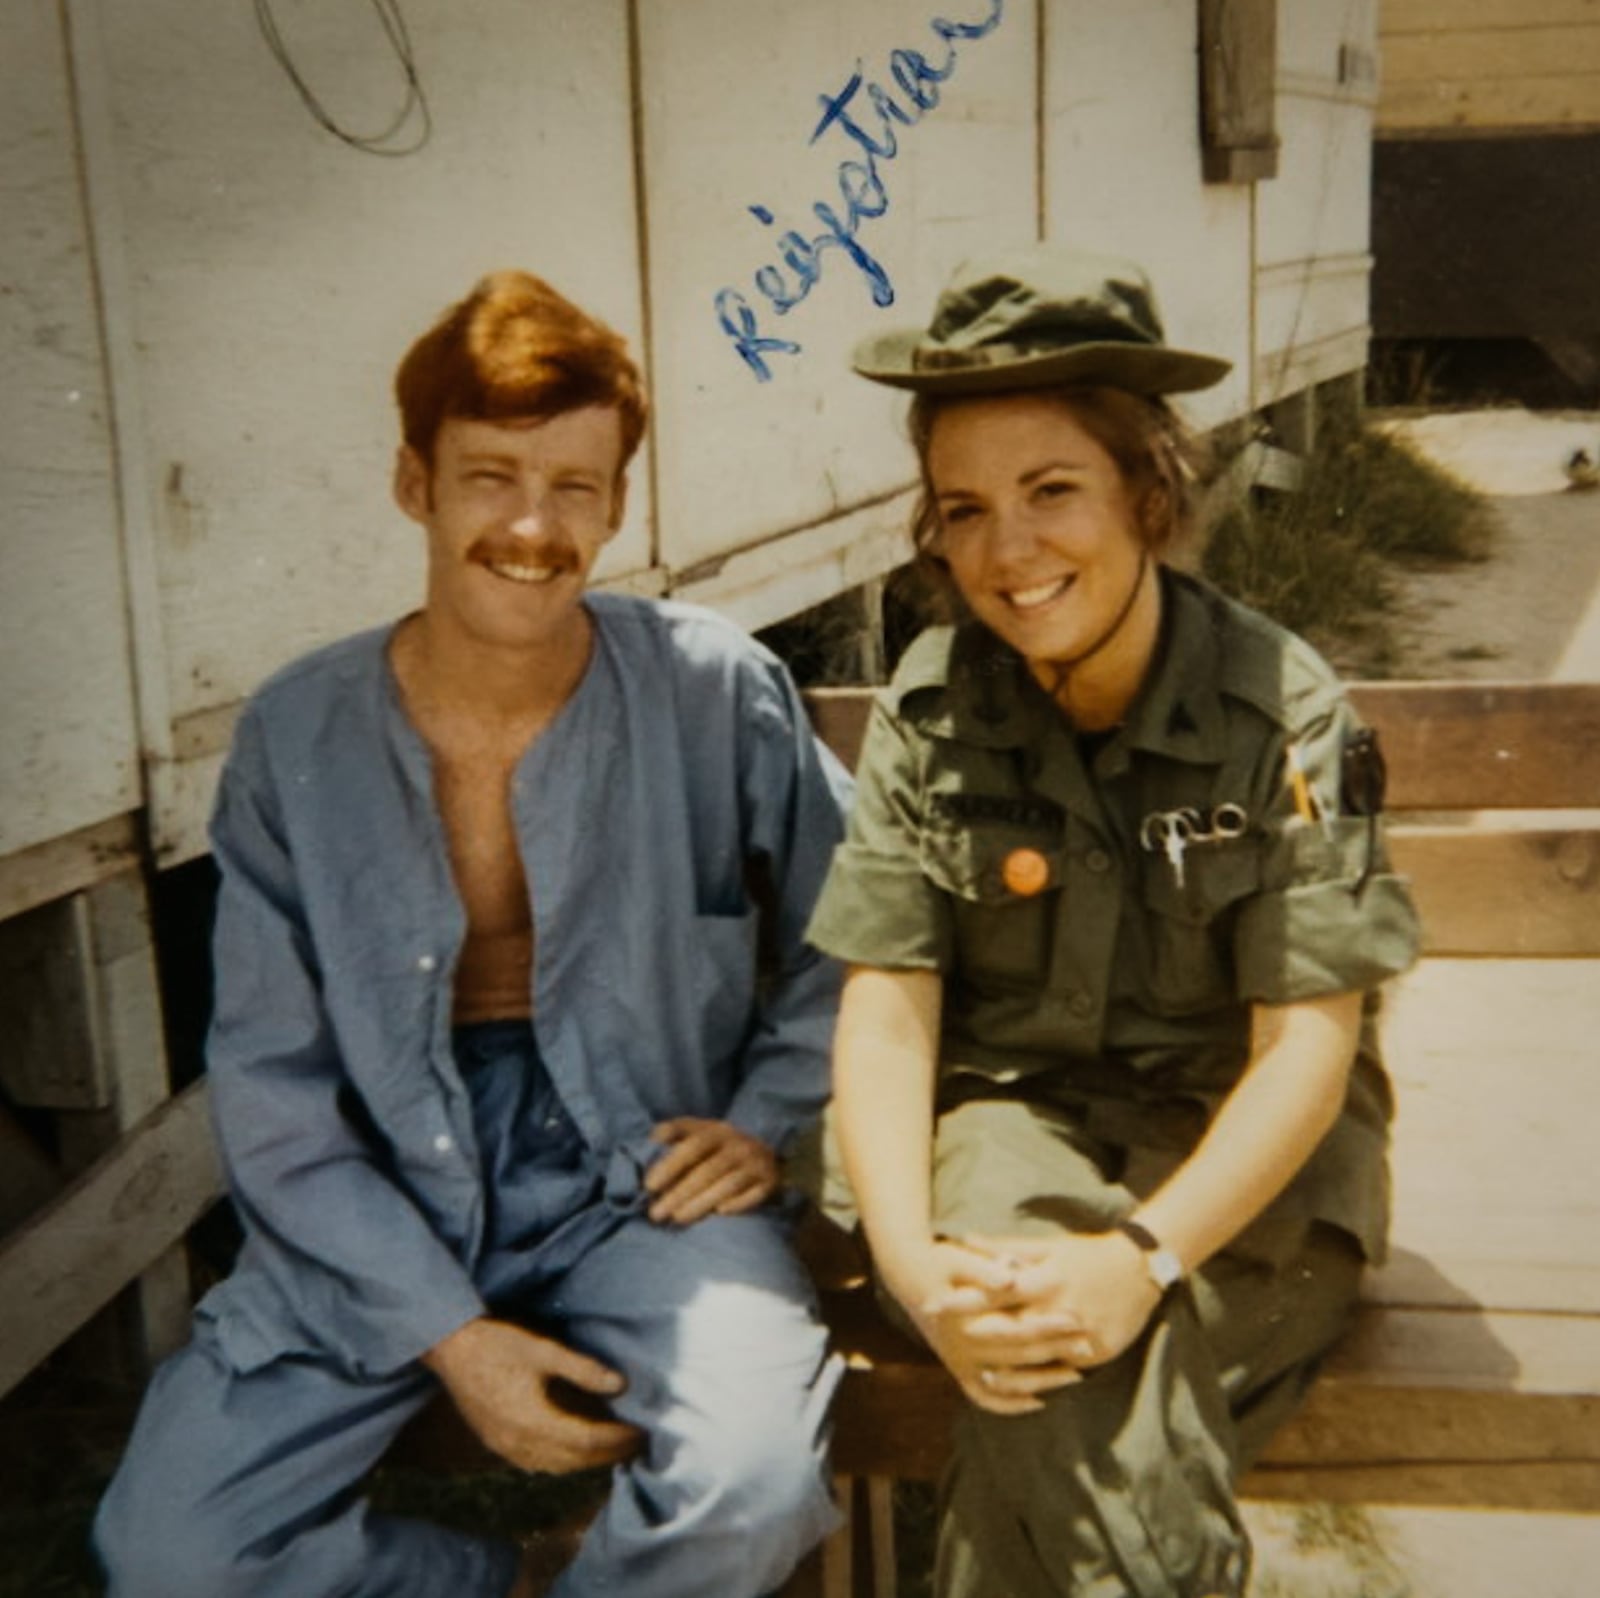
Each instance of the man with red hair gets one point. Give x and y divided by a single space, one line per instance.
499 1087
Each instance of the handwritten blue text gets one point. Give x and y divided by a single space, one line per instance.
869 116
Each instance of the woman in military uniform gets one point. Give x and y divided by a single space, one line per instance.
1115 904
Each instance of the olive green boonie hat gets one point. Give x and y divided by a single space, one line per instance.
1036 317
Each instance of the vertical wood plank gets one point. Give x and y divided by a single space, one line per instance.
1238 99
68 760
880 1513
133 1047
838 1553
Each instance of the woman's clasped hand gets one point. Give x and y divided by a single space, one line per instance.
1014 1318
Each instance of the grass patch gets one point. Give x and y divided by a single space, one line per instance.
1324 559
1403 506
1320 583
1337 1551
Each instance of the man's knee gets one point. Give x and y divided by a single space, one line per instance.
775 1474
153 1546
752 1471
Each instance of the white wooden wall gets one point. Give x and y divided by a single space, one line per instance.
68 748
1313 220
1122 173
732 95
259 280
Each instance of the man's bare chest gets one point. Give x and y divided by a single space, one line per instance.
473 790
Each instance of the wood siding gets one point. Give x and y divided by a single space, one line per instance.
1479 66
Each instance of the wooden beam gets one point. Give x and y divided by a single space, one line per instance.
1503 893
1532 1485
1553 1274
1308 361
77 1253
1248 164
1485 55
1238 90
1483 746
793 570
1399 18
838 1552
1506 1355
880 1520
52 870
1570 102
1449 1407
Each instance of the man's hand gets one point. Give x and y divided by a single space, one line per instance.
710 1168
500 1378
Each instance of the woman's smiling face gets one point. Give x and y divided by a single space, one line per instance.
1035 521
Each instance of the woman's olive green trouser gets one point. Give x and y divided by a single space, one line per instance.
1122 1486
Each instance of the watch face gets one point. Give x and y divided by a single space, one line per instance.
1164 1267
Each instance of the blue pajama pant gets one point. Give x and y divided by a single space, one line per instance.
244 1483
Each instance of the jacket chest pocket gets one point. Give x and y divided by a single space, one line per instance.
1004 886
1188 923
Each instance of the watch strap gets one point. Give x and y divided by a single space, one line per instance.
1142 1235
1165 1268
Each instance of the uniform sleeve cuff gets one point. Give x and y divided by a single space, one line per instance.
1318 938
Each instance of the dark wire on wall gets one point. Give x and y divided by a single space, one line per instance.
416 101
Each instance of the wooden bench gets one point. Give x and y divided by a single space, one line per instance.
1473 1374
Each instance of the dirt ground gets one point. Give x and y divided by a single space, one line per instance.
1531 611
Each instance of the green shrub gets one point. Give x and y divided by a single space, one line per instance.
1321 583
1402 505
1322 559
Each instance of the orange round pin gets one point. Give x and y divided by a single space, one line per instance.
1025 872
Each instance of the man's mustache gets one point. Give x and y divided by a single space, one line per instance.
557 552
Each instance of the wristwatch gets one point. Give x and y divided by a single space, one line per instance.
1164 1266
